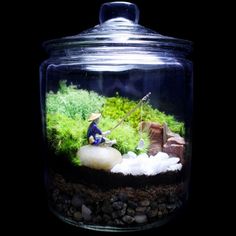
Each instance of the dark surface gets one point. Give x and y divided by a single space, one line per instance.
31 23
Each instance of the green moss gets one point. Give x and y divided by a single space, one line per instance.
65 135
126 136
73 102
117 107
69 108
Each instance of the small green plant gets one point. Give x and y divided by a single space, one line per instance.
65 135
73 102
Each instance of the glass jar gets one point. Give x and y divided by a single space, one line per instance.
116 110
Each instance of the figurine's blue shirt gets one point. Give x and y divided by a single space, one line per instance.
94 131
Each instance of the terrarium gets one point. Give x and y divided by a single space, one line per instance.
116 112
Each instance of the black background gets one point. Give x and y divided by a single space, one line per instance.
36 22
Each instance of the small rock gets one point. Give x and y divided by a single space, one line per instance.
68 213
160 214
123 197
106 218
144 203
132 204
55 194
97 219
123 211
115 214
148 209
128 219
167 133
110 222
114 199
141 209
131 154
152 213
175 150
140 219
66 197
171 207
76 201
130 212
107 207
118 205
143 155
162 207
86 213
160 200
179 203
77 215
176 140
118 222
72 210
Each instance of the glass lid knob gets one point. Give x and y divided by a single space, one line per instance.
112 10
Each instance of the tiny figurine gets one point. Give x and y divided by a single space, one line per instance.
94 135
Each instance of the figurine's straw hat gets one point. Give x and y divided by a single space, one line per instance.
94 116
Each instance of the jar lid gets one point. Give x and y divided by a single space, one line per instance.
117 34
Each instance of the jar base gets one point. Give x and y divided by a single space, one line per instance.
106 228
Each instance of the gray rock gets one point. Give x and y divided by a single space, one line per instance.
107 207
148 209
110 222
118 214
132 204
77 215
154 205
106 218
130 212
152 213
123 211
68 213
140 219
141 209
72 210
161 200
160 214
86 213
123 197
171 207
114 199
76 201
128 219
144 203
118 222
97 219
115 214
118 205
67 202
179 203
162 207
55 194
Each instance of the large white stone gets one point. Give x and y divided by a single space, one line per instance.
98 157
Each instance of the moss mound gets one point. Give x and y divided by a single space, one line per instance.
68 109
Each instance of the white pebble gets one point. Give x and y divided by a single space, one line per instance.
145 165
175 167
132 154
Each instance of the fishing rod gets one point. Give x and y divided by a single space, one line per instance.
131 111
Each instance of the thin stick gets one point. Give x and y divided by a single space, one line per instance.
131 111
